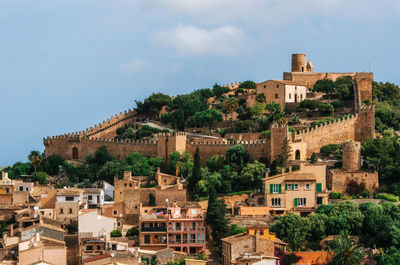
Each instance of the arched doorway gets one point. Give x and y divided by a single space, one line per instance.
75 154
297 155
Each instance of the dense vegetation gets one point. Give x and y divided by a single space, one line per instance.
375 225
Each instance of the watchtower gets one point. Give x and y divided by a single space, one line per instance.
352 156
299 62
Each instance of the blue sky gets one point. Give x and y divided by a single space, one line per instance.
66 65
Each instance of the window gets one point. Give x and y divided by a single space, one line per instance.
276 96
125 184
61 210
292 186
299 202
301 96
114 246
265 86
319 200
276 202
89 247
7 190
307 186
70 210
130 185
69 198
21 188
165 181
98 247
277 85
27 189
290 96
275 188
147 239
90 197
261 232
115 212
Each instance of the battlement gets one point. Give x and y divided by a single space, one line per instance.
233 85
219 143
171 134
329 123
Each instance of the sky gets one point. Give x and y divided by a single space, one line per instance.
66 65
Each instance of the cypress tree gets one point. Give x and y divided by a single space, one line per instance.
196 173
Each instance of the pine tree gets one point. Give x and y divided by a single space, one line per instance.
283 158
212 198
196 173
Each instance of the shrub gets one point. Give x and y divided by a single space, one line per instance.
266 133
387 196
336 104
335 195
346 198
325 108
134 231
313 158
115 233
365 194
309 104
294 120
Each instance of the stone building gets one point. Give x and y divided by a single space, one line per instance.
255 242
339 178
67 205
283 92
300 191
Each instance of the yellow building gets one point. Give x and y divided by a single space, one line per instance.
300 191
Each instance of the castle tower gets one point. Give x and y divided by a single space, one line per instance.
352 156
365 124
279 134
299 62
169 143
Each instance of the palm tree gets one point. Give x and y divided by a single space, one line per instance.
346 251
36 158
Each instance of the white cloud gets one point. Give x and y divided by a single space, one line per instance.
193 41
133 66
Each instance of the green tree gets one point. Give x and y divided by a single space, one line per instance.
309 104
237 156
326 109
346 252
41 177
216 212
112 169
152 199
326 86
196 174
216 163
344 87
218 90
248 84
36 158
283 157
313 158
252 175
173 161
134 231
115 233
185 164
243 126
52 163
261 98
143 166
180 120
208 116
317 227
292 229
344 216
153 104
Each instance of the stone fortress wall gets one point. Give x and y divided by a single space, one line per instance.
358 127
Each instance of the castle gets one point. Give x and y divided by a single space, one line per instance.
358 127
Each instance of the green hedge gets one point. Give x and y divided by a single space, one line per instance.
387 196
335 195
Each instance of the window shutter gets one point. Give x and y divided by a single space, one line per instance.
280 188
271 189
285 186
295 202
319 187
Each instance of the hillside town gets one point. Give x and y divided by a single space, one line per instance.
301 170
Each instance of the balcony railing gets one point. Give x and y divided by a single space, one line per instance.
153 229
184 241
185 229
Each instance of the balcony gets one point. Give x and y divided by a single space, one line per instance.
185 229
153 229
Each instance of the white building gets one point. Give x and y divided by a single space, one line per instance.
94 197
91 224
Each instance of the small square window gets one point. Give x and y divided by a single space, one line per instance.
307 186
276 96
115 212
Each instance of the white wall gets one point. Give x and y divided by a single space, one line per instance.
96 224
294 90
